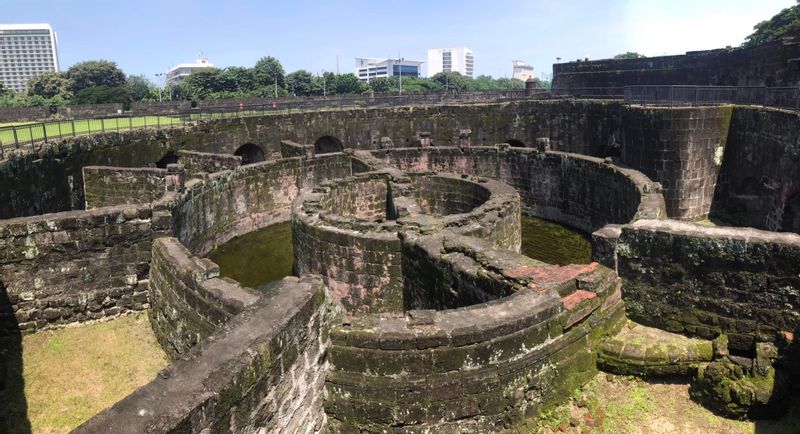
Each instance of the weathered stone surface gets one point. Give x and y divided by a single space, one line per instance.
108 186
198 164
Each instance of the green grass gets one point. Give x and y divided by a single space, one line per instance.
69 375
27 131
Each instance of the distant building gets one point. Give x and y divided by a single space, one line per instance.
521 70
26 51
368 68
458 60
179 72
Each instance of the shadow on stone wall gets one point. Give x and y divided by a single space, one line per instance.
790 421
13 405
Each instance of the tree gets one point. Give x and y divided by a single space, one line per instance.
451 80
3 90
349 84
383 85
239 78
419 85
268 71
102 94
300 83
207 81
630 55
95 73
785 23
138 87
49 85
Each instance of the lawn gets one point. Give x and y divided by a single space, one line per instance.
70 374
27 131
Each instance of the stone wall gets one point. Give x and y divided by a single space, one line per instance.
771 64
759 181
198 164
189 301
703 281
261 372
77 266
571 189
482 368
681 148
89 111
155 107
108 186
231 203
24 114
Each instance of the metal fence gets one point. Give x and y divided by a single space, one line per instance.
781 97
613 92
34 134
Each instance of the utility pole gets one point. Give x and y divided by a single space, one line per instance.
276 86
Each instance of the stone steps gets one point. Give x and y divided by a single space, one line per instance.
647 351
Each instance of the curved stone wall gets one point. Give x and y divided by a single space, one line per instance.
576 190
480 368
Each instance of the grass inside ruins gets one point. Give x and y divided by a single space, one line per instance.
73 373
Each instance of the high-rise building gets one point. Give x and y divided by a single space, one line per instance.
521 70
181 71
458 60
368 68
26 51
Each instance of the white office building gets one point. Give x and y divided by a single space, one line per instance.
369 68
181 71
458 60
26 51
521 70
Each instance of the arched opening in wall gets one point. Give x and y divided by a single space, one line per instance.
791 214
515 143
328 144
250 154
169 158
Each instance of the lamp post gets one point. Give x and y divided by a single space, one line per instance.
159 87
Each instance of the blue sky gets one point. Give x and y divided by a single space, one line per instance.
146 36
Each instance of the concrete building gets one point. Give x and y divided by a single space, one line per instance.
179 72
521 70
26 51
458 60
368 68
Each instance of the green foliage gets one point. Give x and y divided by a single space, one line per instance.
268 71
348 84
383 85
3 90
451 81
300 83
138 87
95 73
630 55
102 94
420 85
208 81
48 85
785 23
239 78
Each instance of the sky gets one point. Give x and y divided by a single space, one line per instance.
145 37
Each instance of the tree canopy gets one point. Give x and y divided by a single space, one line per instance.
630 55
785 23
95 73
50 84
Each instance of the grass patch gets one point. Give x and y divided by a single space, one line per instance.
73 373
27 131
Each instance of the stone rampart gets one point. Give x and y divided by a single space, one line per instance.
703 281
261 372
24 114
77 266
232 203
89 111
198 164
162 107
189 301
479 368
771 64
108 186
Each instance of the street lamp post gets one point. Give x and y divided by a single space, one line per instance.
159 87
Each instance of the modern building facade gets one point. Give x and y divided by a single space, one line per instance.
181 71
521 70
26 51
459 60
368 68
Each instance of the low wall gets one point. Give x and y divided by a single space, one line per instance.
482 368
579 191
23 114
76 266
261 372
759 181
155 107
108 186
89 111
188 300
232 203
199 163
703 281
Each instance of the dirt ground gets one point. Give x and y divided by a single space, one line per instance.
622 405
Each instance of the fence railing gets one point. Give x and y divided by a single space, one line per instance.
35 134
781 97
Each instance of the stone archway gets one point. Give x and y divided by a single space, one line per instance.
169 158
515 143
327 145
250 154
